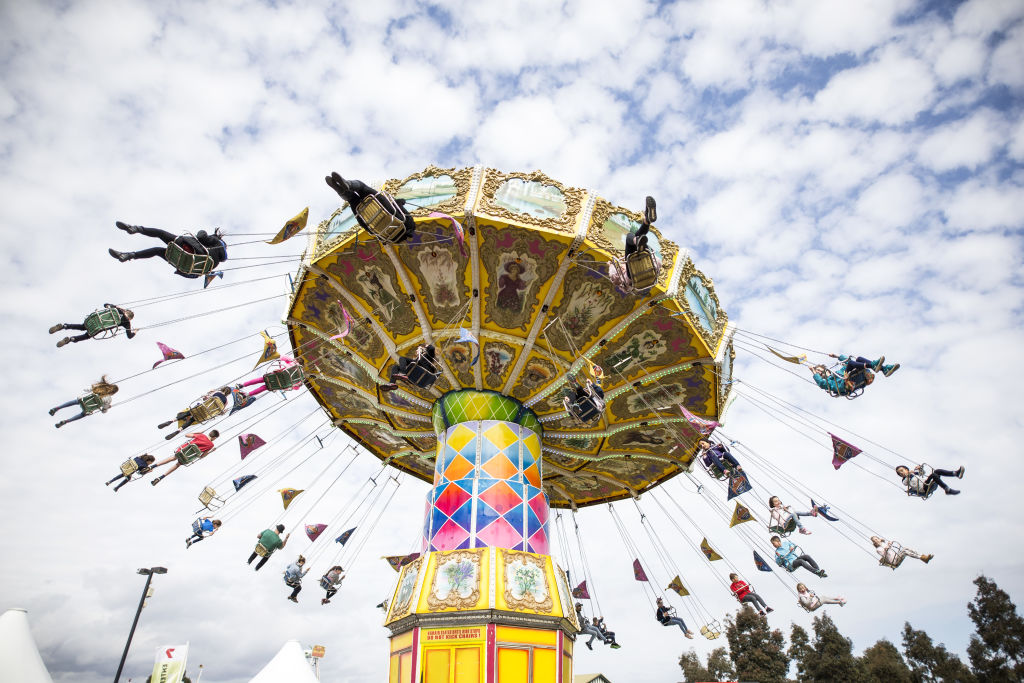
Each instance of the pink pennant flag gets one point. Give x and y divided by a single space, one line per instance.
169 354
842 451
703 427
314 530
247 443
348 323
460 235
638 572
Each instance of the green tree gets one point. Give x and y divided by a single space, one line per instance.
929 662
758 653
717 668
883 663
800 651
832 657
996 649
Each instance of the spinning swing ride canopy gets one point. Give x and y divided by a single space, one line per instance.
531 286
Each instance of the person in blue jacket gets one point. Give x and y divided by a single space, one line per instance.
789 555
856 373
207 527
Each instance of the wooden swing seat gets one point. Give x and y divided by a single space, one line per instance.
103 323
90 403
208 408
129 467
188 454
642 269
207 498
711 630
381 221
283 379
262 551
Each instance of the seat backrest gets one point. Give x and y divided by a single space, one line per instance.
188 454
129 467
90 403
421 375
642 269
103 320
283 379
207 409
584 410
262 551
380 213
186 262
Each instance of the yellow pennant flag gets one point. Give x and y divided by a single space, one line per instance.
288 495
797 360
269 350
292 227
708 551
740 515
678 587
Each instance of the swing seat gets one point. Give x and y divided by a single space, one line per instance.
896 551
815 604
292 583
283 379
926 472
642 269
585 411
208 497
90 404
197 527
784 530
326 584
381 221
188 454
262 551
103 323
711 630
207 408
421 376
129 467
188 262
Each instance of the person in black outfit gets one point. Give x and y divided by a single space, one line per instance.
637 241
203 243
609 636
126 323
665 616
355 191
426 358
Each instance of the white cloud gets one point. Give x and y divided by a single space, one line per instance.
970 143
984 17
1007 58
892 89
960 58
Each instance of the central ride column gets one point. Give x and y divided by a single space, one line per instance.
484 601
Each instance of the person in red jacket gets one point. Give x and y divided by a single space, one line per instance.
745 594
199 440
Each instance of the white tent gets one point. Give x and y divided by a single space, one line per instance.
288 666
19 658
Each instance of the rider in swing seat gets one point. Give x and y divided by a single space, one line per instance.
106 320
354 192
202 244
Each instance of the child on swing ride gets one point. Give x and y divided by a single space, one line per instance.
746 595
920 484
891 553
665 615
856 373
781 515
201 441
186 418
333 579
102 322
207 527
717 455
789 555
144 464
97 398
293 574
811 601
425 358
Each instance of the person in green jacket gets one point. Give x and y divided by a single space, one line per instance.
271 540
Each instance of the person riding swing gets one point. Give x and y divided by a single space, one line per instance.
191 255
376 212
421 371
101 324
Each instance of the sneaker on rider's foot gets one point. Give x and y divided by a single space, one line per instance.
589 646
889 369
769 610
805 531
877 365
391 386
57 328
952 492
120 255
64 342
130 229
650 211
927 558
959 472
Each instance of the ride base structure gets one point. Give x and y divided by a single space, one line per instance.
520 283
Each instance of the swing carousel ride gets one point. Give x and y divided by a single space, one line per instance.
521 350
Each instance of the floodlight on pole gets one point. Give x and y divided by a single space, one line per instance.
148 573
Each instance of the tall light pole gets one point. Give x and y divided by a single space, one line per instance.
149 577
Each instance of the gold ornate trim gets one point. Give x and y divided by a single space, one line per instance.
564 224
711 338
453 600
527 602
463 178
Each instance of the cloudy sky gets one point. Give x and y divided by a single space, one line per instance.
848 173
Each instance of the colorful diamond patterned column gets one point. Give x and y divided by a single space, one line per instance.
487 489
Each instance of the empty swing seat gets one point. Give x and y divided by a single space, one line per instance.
283 379
103 323
188 262
207 409
711 630
188 454
642 268
381 214
207 498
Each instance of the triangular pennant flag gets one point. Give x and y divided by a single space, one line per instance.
638 572
842 451
467 336
242 481
292 227
210 277
581 591
240 399
760 563
247 443
738 483
347 327
702 426
823 511
677 586
708 551
168 352
789 359
460 235
740 515
345 535
399 561
269 350
288 495
314 530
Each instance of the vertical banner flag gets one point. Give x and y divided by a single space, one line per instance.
314 530
247 443
269 350
288 495
293 226
581 591
168 352
760 563
842 451
170 663
708 551
740 515
347 324
242 481
638 571
677 586
345 535
460 235
399 561
738 483
702 426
